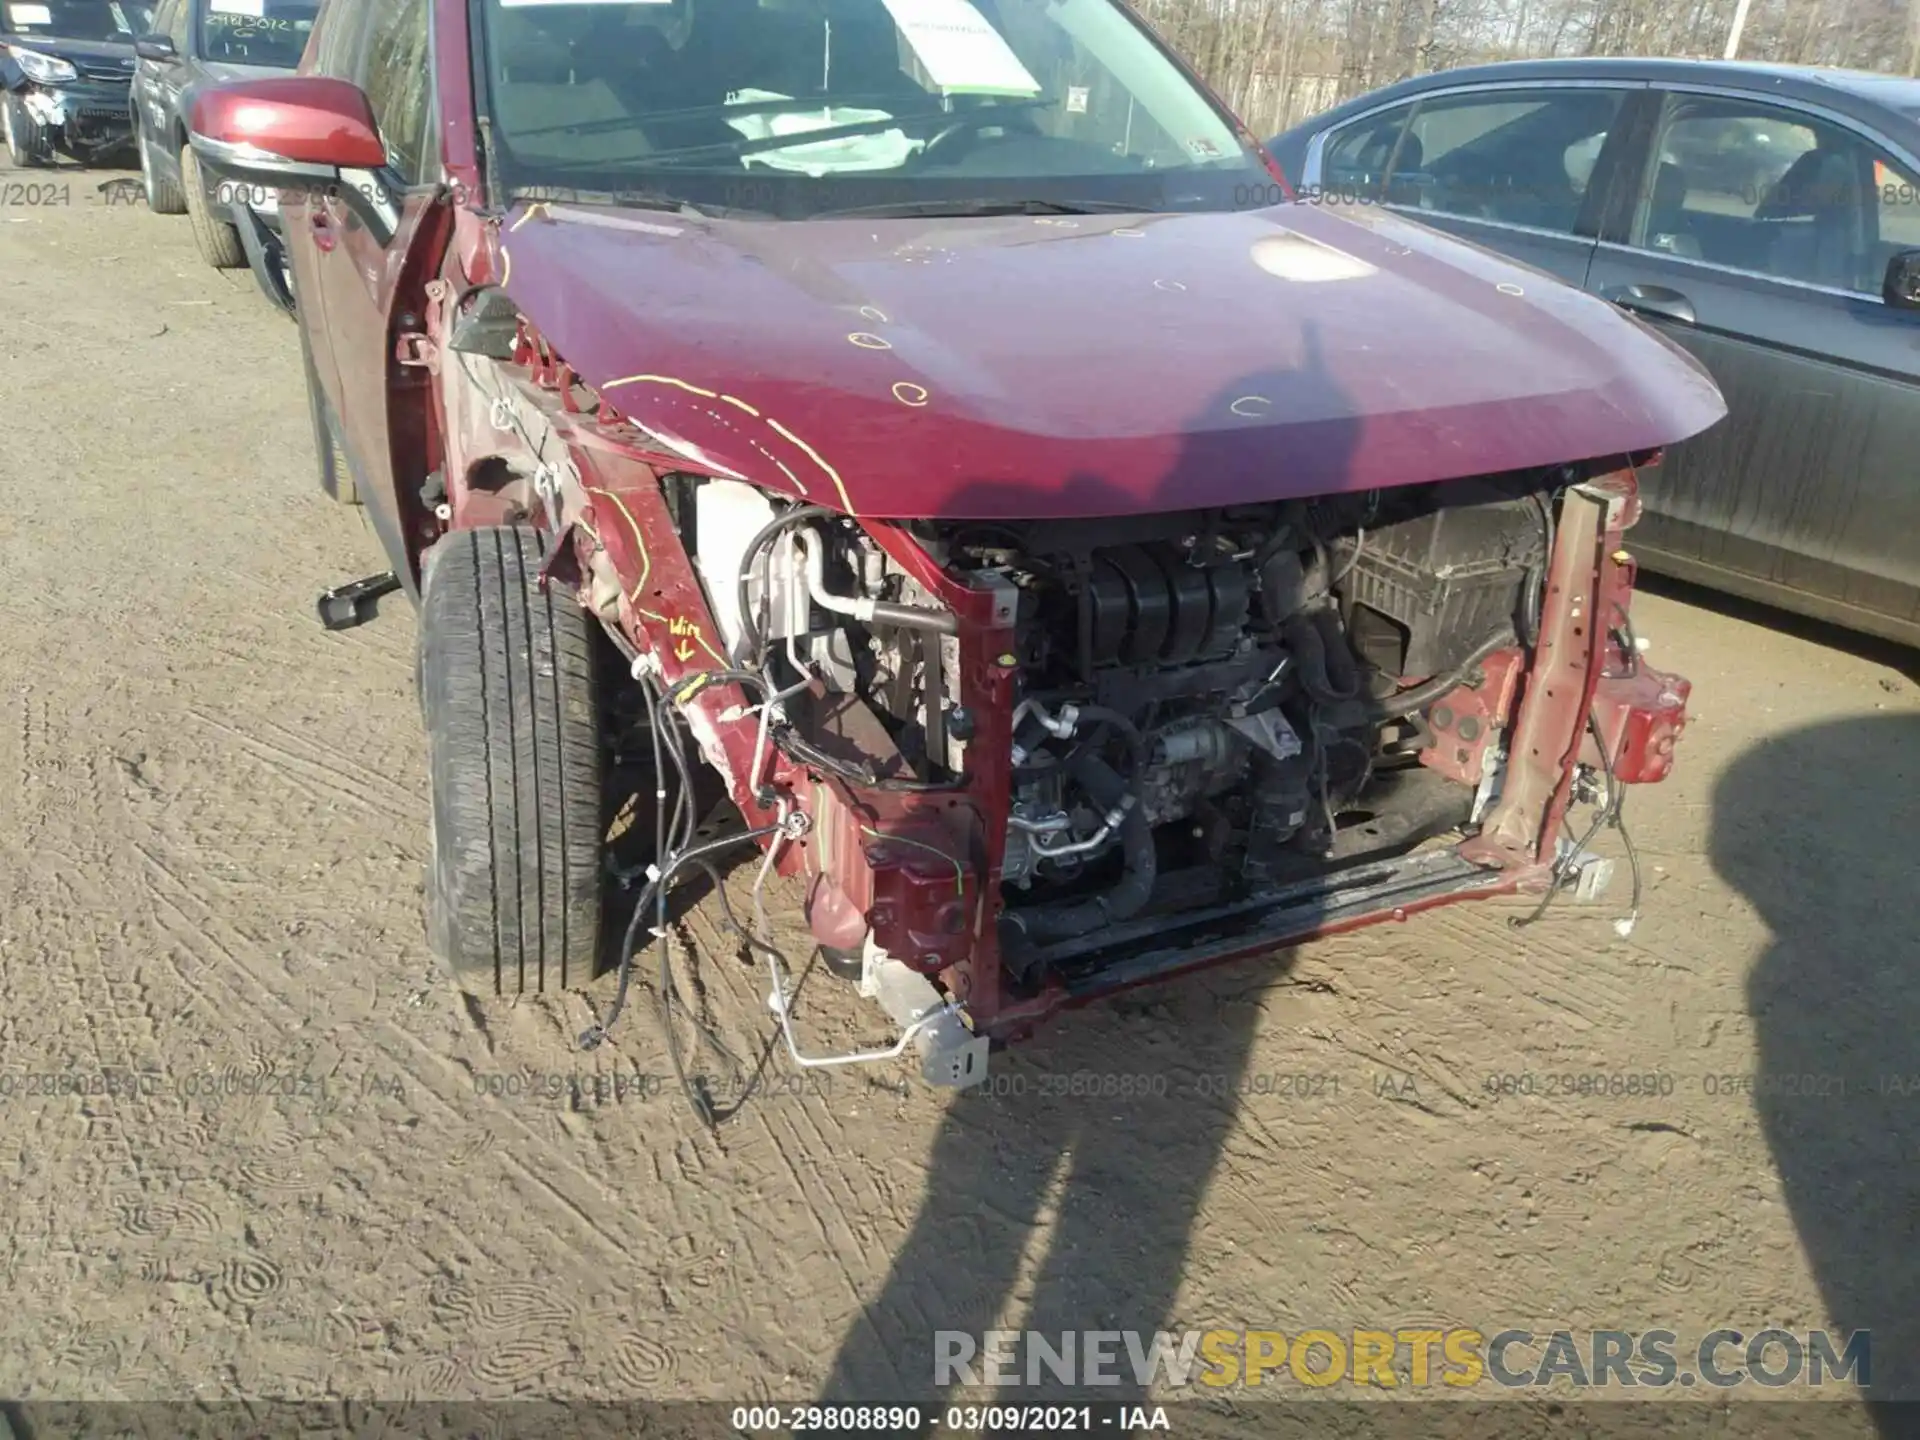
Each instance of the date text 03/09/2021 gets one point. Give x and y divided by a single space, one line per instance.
904 1420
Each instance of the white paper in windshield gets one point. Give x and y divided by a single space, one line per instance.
252 9
30 14
961 53
882 151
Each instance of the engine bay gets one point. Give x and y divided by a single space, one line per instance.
1207 707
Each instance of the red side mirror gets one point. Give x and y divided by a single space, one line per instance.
296 133
270 126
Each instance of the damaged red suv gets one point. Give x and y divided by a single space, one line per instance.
1079 563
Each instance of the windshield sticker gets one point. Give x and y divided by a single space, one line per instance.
960 53
30 14
250 9
1076 99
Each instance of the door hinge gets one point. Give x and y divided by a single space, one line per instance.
418 350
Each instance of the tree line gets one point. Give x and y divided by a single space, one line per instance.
1278 61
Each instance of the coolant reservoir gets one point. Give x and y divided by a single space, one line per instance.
727 515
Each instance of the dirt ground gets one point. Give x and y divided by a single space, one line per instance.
212 826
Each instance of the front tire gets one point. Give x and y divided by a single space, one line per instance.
219 240
29 143
163 195
515 754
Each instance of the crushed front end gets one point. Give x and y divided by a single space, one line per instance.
86 111
1017 766
1046 761
1025 752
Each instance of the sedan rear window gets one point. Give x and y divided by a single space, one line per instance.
1777 192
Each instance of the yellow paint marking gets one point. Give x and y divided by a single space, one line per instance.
814 455
662 380
718 658
646 560
908 393
692 389
538 207
680 626
506 267
798 483
868 341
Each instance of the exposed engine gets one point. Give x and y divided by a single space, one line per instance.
1211 705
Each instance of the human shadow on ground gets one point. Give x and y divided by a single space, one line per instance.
1817 829
1104 1131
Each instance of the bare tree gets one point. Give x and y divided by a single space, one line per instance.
1278 61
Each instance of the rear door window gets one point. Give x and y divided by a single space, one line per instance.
1358 156
1778 192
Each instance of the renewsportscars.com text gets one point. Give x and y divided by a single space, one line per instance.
1458 1358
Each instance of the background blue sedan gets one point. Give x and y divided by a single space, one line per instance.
1765 217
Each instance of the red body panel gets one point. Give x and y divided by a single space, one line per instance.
1641 715
1470 720
1027 367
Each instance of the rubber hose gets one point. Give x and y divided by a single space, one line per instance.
1307 644
1343 675
1418 697
1136 742
749 558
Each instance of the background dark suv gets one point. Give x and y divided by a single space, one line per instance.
209 42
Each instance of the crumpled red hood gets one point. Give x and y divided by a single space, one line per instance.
1027 367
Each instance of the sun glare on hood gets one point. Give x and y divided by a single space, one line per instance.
1292 256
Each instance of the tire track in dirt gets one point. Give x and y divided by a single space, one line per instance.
207 951
409 1058
22 743
302 772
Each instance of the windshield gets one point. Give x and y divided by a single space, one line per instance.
802 107
77 20
256 32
